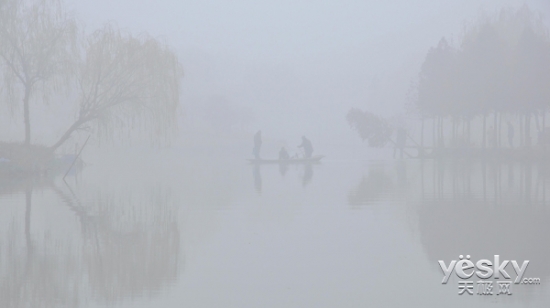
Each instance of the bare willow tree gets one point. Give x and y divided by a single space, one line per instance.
37 49
126 83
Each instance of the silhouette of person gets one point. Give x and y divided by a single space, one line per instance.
283 154
308 148
257 144
510 134
401 140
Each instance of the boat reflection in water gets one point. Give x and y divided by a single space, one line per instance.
257 179
284 165
308 174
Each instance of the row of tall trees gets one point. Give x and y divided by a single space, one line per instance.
116 81
500 68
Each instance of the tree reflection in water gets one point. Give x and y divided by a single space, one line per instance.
480 208
486 208
378 185
122 245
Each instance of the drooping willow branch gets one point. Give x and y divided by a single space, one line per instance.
126 82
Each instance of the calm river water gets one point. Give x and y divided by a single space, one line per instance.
167 230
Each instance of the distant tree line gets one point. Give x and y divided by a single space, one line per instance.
117 82
502 67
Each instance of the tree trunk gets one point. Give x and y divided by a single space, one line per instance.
499 140
521 143
422 135
438 131
442 134
469 133
495 130
528 129
68 133
544 137
26 114
543 120
484 137
464 131
433 135
453 137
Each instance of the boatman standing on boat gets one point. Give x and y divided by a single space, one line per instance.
257 144
308 148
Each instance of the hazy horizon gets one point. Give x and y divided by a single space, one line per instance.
421 152
293 66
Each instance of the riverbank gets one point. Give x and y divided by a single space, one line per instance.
19 160
536 153
24 158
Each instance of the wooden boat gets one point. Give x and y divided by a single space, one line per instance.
313 159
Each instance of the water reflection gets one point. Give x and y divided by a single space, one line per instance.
460 207
283 168
110 246
257 178
305 169
308 174
35 272
106 241
485 208
382 182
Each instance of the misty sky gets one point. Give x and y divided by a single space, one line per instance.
296 66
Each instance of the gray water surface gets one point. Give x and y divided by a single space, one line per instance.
166 230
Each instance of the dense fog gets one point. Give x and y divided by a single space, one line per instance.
289 68
271 154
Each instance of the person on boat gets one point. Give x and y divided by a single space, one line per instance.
283 154
257 144
308 148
